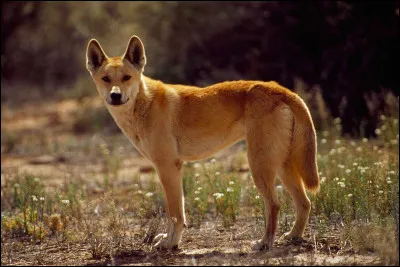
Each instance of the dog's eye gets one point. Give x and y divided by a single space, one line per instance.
106 79
126 78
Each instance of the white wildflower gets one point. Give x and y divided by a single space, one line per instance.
350 195
213 160
375 148
358 149
231 182
196 165
355 164
196 199
340 166
380 192
323 179
229 189
197 175
149 194
196 192
34 198
41 198
352 143
388 181
199 188
337 142
325 133
218 195
394 142
65 201
378 131
337 120
217 173
336 179
323 141
365 140
257 197
382 117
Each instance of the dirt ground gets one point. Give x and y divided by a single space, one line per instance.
210 245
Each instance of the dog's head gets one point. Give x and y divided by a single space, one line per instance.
117 78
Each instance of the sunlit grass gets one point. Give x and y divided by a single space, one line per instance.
359 192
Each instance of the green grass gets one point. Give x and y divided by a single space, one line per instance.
359 193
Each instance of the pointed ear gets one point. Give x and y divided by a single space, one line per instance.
95 56
135 53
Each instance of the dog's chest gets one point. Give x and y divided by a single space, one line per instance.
132 126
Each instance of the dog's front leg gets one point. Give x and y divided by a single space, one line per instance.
170 175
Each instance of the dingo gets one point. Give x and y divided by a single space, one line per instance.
169 124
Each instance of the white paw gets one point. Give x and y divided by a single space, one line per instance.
162 242
260 245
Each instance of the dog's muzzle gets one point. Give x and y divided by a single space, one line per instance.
116 96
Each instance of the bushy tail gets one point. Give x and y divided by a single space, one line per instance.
304 148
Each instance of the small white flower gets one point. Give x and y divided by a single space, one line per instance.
34 198
358 149
197 165
323 179
217 173
343 179
332 151
41 198
218 195
342 185
140 192
350 195
375 148
65 201
196 192
197 175
37 180
395 121
149 194
279 187
231 182
323 141
337 120
391 172
383 128
196 199
382 117
378 131
394 142
135 186
337 142
199 188
365 140
16 185
325 133
380 192
336 179
388 181
213 160
229 189
257 197
355 164
352 143
340 166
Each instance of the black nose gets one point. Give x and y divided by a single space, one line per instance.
115 97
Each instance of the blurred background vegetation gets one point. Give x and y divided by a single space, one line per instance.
347 50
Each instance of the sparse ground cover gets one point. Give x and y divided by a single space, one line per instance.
71 196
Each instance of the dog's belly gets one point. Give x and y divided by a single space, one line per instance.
194 146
